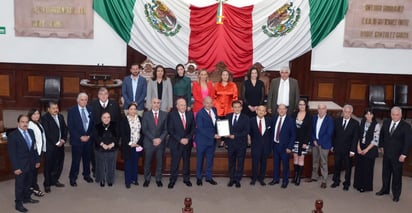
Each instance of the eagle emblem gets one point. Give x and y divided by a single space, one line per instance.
161 18
282 21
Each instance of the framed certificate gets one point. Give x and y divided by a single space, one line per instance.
223 128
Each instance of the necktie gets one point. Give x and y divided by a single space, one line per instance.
84 119
234 120
183 121
210 114
260 127
344 124
57 120
155 118
27 139
278 130
392 128
104 105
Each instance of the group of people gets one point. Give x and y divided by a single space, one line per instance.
180 114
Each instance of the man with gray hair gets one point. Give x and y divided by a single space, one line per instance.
283 90
394 143
345 138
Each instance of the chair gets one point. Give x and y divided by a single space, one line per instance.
400 98
51 91
377 99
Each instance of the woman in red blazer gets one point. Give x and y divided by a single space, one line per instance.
200 89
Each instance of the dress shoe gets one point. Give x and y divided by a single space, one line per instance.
237 184
110 184
73 183
345 188
159 183
380 193
311 180
230 184
211 181
188 183
323 185
361 190
30 200
146 183
127 186
262 183
199 182
334 185
252 182
284 185
135 183
58 184
102 184
88 179
395 199
273 182
47 189
21 208
171 185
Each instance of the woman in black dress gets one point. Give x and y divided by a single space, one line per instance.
253 92
367 151
304 130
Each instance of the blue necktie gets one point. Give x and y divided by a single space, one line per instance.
27 139
84 119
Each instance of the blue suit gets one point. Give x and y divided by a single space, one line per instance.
140 95
287 138
325 132
205 142
80 150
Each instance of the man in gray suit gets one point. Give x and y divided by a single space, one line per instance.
154 126
283 90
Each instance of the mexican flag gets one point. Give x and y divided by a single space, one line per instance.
236 32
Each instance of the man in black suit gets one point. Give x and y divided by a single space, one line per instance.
181 126
345 138
80 124
261 146
56 135
394 143
24 160
154 126
237 143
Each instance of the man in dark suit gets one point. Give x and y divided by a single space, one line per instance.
345 139
205 140
237 143
394 143
56 135
181 126
134 89
284 128
261 146
283 90
154 126
24 160
80 124
321 141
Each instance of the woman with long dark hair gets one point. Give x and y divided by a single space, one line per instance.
253 92
182 86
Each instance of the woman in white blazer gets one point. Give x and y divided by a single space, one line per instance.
160 87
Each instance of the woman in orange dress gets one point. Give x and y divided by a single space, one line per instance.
200 89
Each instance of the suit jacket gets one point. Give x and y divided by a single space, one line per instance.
167 94
345 140
127 92
20 156
176 130
151 131
75 124
325 132
197 94
287 135
107 135
293 94
261 141
240 130
124 131
398 143
112 107
205 128
52 130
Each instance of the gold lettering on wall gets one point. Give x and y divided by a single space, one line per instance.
5 85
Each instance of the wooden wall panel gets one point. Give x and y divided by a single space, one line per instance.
325 90
35 83
5 85
357 91
71 85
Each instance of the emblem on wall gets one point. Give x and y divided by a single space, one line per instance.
282 21
161 18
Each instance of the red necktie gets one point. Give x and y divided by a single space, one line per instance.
183 121
210 114
278 130
155 118
260 126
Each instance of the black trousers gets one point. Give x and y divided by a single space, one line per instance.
236 160
364 173
342 159
392 169
259 163
22 186
81 152
53 165
180 153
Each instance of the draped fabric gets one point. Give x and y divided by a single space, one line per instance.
230 42
239 42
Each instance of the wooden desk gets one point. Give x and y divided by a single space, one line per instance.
334 109
6 172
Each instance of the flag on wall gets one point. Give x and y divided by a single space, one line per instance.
237 32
